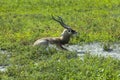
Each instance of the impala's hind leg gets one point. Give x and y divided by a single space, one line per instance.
41 43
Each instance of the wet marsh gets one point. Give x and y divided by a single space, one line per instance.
24 21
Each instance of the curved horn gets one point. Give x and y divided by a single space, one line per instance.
60 20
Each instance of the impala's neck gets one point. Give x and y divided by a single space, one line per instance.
65 39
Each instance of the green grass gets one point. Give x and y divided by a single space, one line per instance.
34 65
24 21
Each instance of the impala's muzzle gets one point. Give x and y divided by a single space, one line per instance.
73 32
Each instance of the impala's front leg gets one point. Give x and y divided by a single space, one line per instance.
61 47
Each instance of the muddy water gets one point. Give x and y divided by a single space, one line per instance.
96 49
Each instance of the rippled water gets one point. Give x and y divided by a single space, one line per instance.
96 49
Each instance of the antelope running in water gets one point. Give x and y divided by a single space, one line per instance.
58 41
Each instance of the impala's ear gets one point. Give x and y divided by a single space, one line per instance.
62 33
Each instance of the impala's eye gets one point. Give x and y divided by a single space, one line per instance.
69 31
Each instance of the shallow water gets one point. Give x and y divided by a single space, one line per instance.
92 48
96 49
3 67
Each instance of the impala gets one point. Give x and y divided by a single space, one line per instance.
58 41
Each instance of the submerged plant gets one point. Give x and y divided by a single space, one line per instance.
107 47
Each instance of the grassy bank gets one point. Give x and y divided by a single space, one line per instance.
24 21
